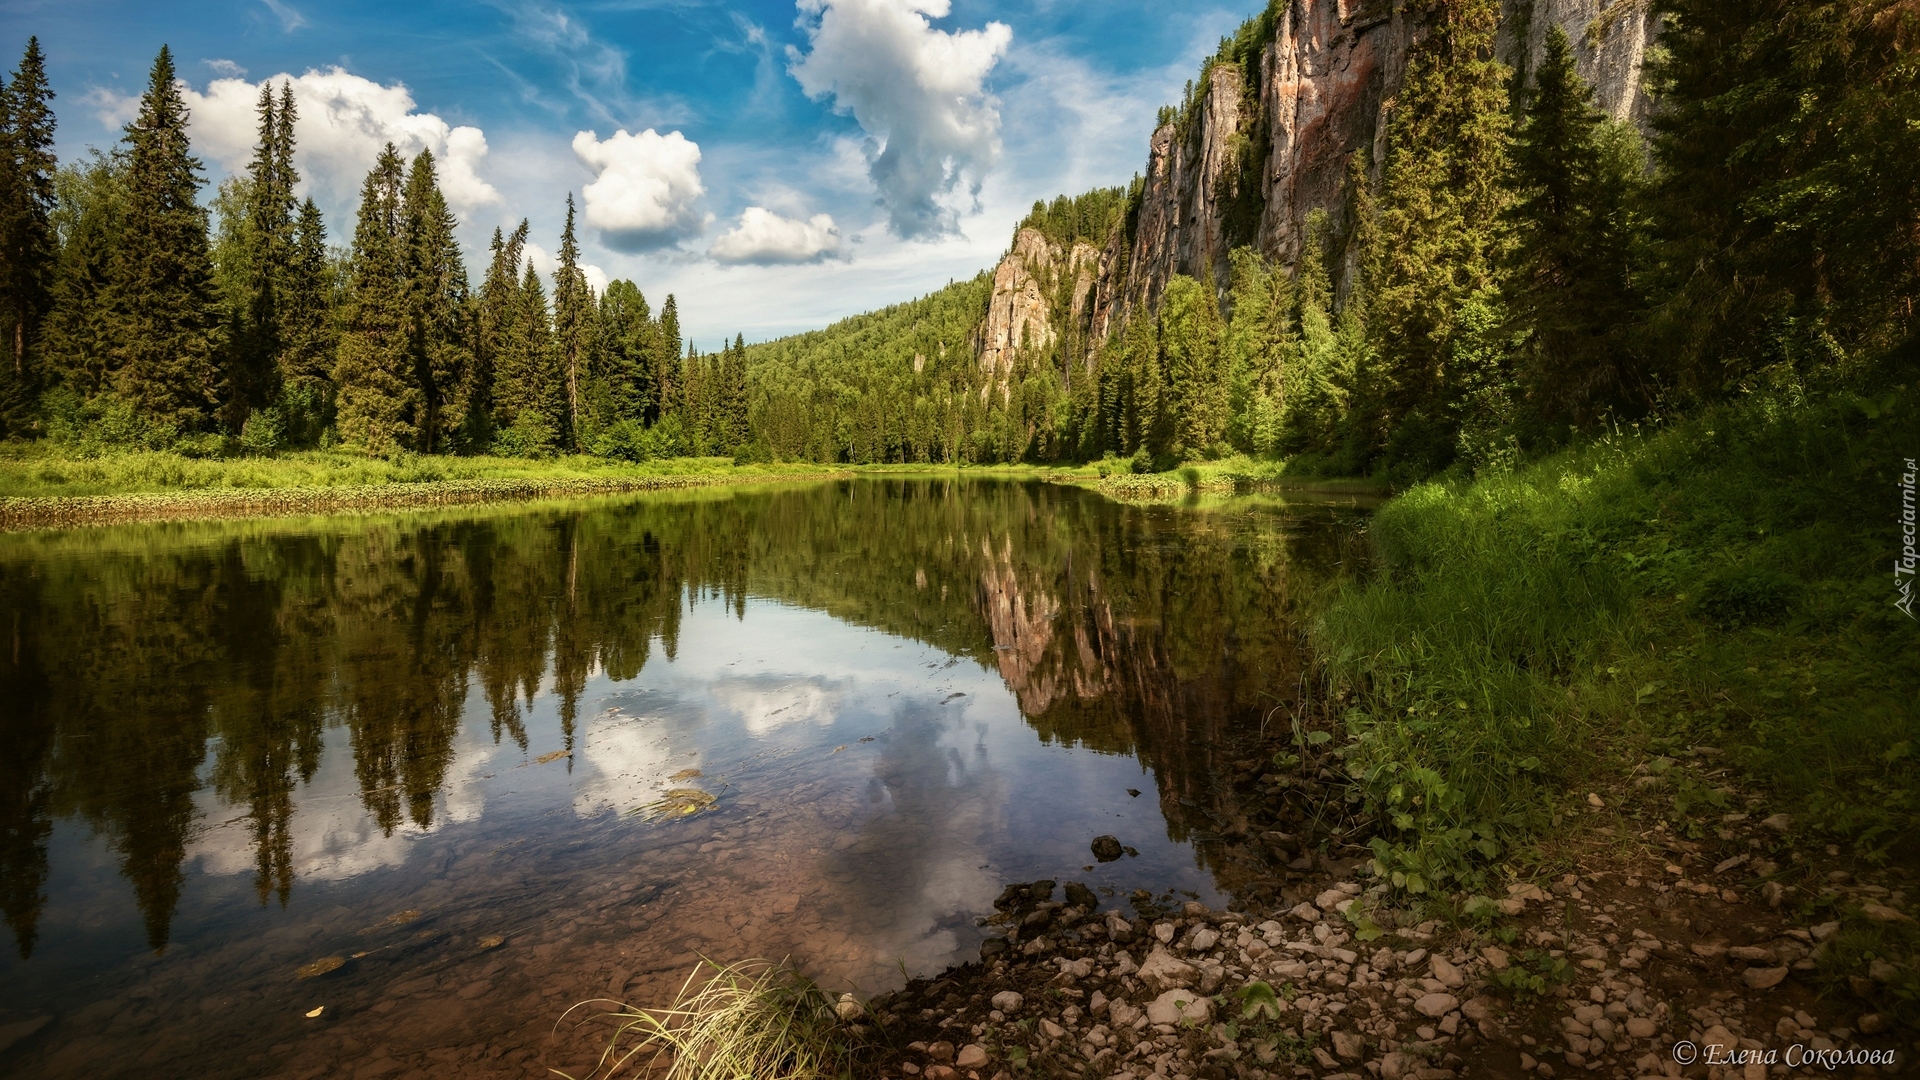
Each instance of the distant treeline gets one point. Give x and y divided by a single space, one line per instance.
136 318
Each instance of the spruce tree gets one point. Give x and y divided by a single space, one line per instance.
379 396
1429 243
573 323
166 314
27 168
438 336
1569 283
79 338
494 332
270 209
666 361
735 381
1196 383
529 393
625 350
307 333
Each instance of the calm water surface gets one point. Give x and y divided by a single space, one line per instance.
413 746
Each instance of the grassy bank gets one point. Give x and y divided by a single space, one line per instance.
1724 585
39 486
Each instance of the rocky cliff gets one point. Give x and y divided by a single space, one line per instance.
1264 141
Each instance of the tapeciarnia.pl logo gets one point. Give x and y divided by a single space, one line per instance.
1903 567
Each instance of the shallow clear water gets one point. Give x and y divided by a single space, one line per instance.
415 744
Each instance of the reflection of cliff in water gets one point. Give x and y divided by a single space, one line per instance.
148 662
1172 639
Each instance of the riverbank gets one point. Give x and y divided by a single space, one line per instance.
43 490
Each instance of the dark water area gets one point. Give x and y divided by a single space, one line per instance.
388 767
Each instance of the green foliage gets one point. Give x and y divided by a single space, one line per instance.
1533 973
27 203
1530 623
1786 192
1089 218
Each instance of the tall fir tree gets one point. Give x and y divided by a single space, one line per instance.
529 390
573 325
625 352
1428 245
270 241
307 333
666 360
735 381
1196 380
27 167
494 332
166 312
1569 284
379 397
79 338
437 316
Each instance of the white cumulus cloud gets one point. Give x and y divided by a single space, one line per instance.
344 120
545 263
646 187
764 238
919 93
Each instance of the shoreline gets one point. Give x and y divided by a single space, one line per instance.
29 513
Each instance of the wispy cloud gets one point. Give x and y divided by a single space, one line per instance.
289 16
593 71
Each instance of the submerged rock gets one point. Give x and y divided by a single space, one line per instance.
1107 848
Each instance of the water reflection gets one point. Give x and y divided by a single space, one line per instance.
452 712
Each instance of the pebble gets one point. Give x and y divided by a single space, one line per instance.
1764 978
1050 1029
1163 971
1008 1001
1176 1006
1348 1045
1641 1028
1446 972
940 1051
1436 1005
971 1056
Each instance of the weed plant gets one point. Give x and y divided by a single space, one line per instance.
753 1020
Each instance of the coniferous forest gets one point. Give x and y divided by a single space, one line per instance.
1518 269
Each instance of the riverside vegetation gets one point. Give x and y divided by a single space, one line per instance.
1648 402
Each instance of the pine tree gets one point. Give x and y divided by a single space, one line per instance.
1429 245
27 168
438 336
379 403
1569 282
166 314
307 334
573 324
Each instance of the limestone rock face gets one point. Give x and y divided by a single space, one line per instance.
1270 142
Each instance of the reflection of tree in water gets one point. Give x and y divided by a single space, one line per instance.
1117 627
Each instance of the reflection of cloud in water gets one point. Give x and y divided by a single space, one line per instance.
621 761
764 704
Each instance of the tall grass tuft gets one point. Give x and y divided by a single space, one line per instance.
752 1020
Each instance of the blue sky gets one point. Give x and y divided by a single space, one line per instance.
776 165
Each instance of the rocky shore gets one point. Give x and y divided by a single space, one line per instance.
1743 955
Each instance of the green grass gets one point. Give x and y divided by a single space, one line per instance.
1726 582
41 470
753 1020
